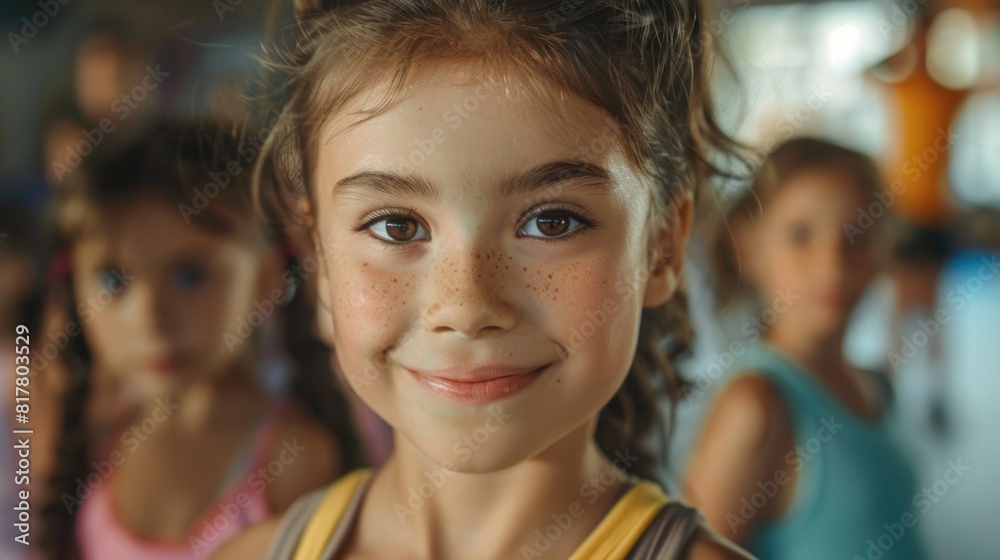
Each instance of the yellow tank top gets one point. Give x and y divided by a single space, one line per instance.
612 539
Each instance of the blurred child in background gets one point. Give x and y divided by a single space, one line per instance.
169 274
799 457
88 102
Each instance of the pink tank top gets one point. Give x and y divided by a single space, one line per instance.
102 535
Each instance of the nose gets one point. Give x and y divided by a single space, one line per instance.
148 309
468 293
833 260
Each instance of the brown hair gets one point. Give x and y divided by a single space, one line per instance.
782 164
644 63
169 164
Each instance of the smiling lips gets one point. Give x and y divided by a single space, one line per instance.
479 385
167 364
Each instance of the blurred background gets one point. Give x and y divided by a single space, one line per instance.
913 83
916 86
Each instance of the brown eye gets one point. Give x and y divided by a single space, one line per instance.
553 224
397 229
400 230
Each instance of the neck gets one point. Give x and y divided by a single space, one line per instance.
820 353
468 513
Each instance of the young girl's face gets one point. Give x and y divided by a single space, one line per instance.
486 265
157 298
798 257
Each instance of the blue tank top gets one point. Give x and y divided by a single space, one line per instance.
856 495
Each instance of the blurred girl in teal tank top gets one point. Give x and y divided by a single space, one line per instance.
799 457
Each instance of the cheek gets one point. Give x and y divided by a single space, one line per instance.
368 300
211 321
371 307
238 302
781 267
229 306
106 334
591 306
363 304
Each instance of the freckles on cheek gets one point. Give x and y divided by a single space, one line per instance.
580 302
368 300
567 286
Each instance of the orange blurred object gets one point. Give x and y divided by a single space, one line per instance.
918 157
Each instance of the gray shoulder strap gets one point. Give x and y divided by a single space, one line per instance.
339 536
292 525
668 534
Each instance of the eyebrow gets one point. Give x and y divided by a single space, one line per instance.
581 175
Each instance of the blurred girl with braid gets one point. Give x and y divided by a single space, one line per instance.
504 189
172 296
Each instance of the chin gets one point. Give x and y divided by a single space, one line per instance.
827 322
158 383
478 447
486 458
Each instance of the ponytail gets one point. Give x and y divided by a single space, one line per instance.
633 415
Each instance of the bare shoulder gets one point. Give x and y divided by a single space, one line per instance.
747 424
750 408
706 544
744 437
305 457
250 544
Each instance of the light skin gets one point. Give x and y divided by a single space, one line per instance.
158 296
485 274
797 247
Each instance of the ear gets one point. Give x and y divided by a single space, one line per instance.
669 240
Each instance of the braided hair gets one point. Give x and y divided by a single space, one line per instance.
168 163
